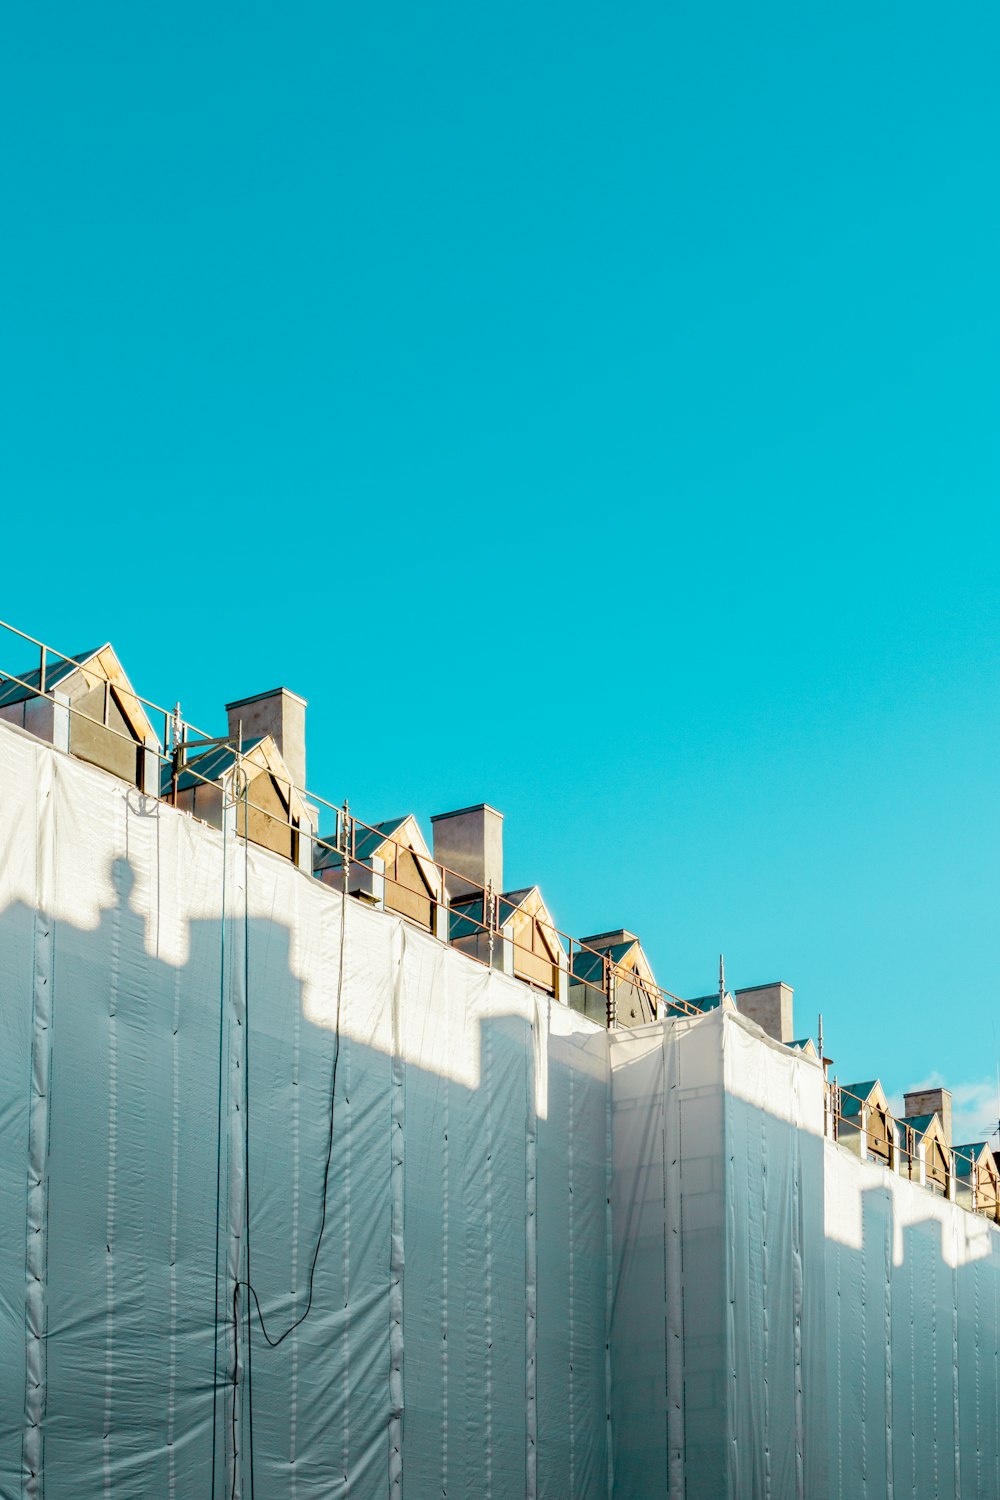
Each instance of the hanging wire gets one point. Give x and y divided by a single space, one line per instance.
218 1159
274 1342
247 1283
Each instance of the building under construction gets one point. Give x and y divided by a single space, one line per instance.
331 1166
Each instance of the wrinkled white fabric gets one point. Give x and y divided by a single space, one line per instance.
168 1021
555 1263
788 1321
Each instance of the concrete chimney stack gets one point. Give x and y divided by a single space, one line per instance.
282 715
469 842
770 1005
930 1102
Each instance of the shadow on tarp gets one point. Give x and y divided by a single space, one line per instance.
755 1351
899 1353
135 1306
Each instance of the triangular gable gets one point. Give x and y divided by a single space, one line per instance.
937 1156
406 834
265 757
76 676
381 841
853 1096
634 961
975 1154
216 765
529 903
926 1127
104 666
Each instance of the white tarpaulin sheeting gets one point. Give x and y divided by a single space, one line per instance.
913 1310
531 1235
788 1321
172 1008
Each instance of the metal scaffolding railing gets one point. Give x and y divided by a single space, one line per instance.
585 977
481 923
969 1178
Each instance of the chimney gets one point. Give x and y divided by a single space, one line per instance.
930 1102
770 1005
469 842
280 714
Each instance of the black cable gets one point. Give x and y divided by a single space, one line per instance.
275 1343
246 1127
272 1342
218 1167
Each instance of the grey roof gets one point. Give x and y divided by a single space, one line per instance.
57 669
588 966
211 765
515 898
701 1002
465 921
965 1156
508 902
853 1095
366 841
704 1002
918 1123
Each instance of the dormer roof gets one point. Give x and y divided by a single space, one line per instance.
217 762
380 841
623 949
76 676
854 1095
973 1155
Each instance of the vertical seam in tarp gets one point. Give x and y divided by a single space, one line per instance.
608 1268
797 1288
935 1360
765 1302
887 1351
979 1394
956 1423
911 1280
37 1204
109 1264
175 1139
445 1240
571 1280
996 1379
840 1360
863 1356
237 1187
396 1252
729 1189
293 1403
531 1255
487 1049
347 1135
671 1171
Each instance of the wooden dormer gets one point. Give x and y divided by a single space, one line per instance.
269 810
538 954
392 867
925 1131
866 1121
977 1179
88 707
612 981
524 938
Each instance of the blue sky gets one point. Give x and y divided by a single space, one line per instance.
589 408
